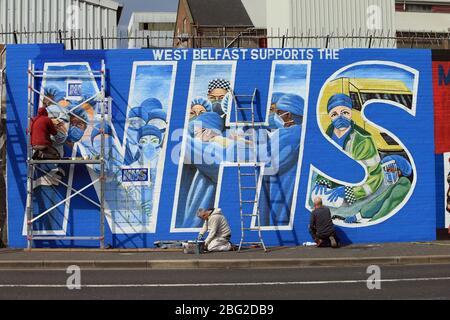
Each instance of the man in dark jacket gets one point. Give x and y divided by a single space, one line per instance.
41 129
321 226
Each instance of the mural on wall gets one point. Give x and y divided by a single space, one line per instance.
330 123
211 131
390 170
132 186
447 188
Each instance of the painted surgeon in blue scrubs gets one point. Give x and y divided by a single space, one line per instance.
205 134
284 141
150 110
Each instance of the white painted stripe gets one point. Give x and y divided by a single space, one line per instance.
231 284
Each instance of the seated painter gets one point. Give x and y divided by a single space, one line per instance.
219 232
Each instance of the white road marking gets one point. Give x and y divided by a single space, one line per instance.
224 284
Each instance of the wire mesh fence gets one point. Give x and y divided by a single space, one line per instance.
222 37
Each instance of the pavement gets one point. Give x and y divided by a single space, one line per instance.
435 252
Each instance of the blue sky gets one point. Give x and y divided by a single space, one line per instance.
290 78
145 5
152 82
205 73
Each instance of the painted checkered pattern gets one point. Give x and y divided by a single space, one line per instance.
349 195
324 182
219 84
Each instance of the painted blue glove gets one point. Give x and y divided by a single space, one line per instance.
351 219
227 102
336 193
319 189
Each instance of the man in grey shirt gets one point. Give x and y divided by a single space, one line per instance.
219 232
321 226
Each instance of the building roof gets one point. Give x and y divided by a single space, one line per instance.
146 16
219 13
104 3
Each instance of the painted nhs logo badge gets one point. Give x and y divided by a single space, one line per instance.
74 90
135 176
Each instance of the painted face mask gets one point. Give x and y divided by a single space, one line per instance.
74 134
278 121
60 137
341 122
61 120
149 147
272 124
217 107
390 171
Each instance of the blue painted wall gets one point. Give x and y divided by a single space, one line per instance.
413 220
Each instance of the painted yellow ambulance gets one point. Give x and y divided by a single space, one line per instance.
361 90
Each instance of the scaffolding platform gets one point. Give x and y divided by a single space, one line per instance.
34 165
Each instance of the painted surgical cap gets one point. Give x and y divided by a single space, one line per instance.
96 131
138 112
292 103
59 97
149 130
276 96
209 120
151 104
339 99
218 84
56 111
203 102
81 112
157 114
403 165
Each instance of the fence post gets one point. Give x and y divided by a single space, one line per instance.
224 37
326 43
282 41
148 42
60 36
102 43
71 42
370 41
15 36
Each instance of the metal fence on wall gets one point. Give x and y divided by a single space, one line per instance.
73 41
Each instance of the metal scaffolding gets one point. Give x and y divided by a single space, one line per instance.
34 165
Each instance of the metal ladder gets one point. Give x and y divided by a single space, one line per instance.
252 163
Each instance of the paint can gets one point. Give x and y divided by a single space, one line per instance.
193 247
